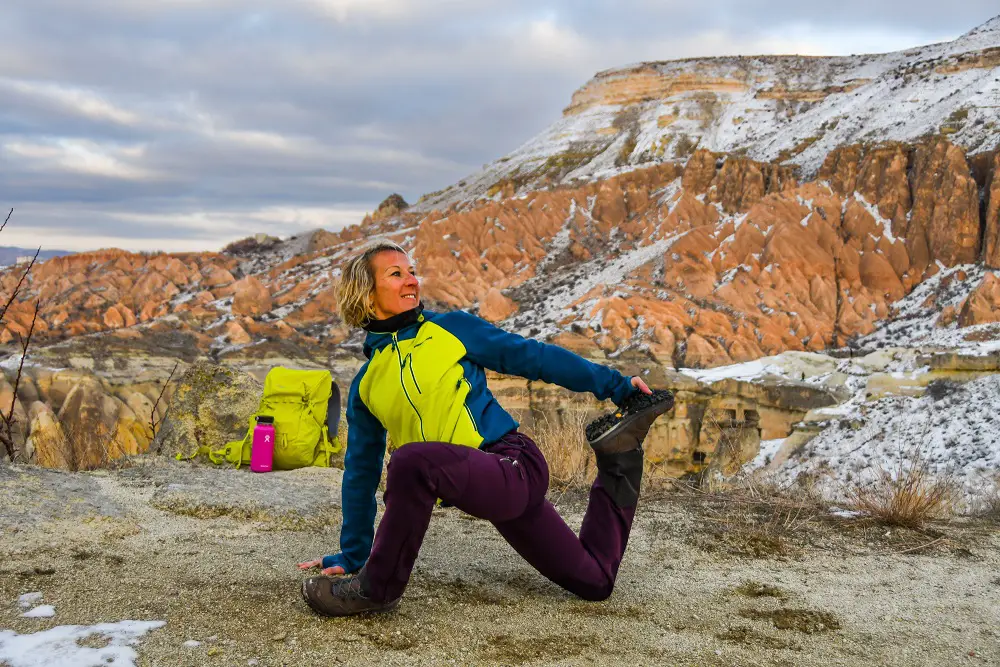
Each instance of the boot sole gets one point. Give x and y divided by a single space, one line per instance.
659 405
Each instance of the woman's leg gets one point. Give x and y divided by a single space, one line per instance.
492 486
587 565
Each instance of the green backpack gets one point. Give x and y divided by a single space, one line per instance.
300 402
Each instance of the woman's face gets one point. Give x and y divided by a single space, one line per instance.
396 287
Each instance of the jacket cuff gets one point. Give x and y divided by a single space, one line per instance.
334 561
624 391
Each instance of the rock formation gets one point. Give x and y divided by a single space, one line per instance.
685 214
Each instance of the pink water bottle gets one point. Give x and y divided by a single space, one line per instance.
262 448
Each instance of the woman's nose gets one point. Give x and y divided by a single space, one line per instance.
411 279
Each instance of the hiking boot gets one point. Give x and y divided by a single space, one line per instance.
624 429
342 596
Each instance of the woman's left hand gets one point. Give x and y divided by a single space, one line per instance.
638 383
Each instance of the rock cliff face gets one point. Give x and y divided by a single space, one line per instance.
789 109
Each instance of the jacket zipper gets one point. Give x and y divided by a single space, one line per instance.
409 358
395 346
468 411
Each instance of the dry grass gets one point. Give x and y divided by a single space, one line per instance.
564 444
909 496
986 504
753 517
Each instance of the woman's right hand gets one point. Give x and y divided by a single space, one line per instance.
309 564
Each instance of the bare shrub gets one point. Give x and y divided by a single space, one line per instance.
938 389
909 496
154 423
986 503
11 431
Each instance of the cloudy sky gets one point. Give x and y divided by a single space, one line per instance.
186 124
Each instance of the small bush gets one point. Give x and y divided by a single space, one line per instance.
684 146
910 496
938 389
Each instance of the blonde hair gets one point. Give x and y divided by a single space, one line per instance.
356 294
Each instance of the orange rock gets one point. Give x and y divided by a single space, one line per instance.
113 319
982 304
236 334
991 250
496 307
251 298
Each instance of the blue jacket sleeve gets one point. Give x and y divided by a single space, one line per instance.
362 472
505 352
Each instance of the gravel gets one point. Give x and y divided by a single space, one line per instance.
226 583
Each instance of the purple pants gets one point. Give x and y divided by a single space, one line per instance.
504 483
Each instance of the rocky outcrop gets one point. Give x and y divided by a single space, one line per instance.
983 304
78 420
113 289
251 298
209 407
496 307
390 207
991 214
944 221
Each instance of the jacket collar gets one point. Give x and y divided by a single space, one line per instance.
396 322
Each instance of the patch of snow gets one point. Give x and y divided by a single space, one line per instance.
956 436
41 611
750 370
768 448
884 223
28 599
844 514
553 306
915 316
60 647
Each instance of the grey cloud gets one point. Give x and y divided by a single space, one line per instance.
240 106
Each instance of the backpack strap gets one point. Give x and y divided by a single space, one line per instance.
233 450
326 449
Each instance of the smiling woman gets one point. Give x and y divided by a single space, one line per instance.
424 385
377 284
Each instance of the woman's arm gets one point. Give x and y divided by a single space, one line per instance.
505 352
362 471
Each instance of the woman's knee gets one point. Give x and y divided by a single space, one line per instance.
596 593
408 461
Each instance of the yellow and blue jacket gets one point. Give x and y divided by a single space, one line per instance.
424 381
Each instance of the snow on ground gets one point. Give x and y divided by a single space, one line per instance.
954 431
27 600
915 320
61 646
953 428
551 306
768 448
41 611
748 371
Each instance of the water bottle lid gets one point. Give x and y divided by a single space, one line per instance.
265 419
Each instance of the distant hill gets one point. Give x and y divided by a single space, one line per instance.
9 254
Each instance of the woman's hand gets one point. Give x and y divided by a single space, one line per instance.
309 564
638 383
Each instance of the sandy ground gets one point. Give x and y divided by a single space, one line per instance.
213 554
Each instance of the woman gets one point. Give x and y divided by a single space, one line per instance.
424 383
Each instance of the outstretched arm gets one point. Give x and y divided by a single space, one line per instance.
505 352
362 471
